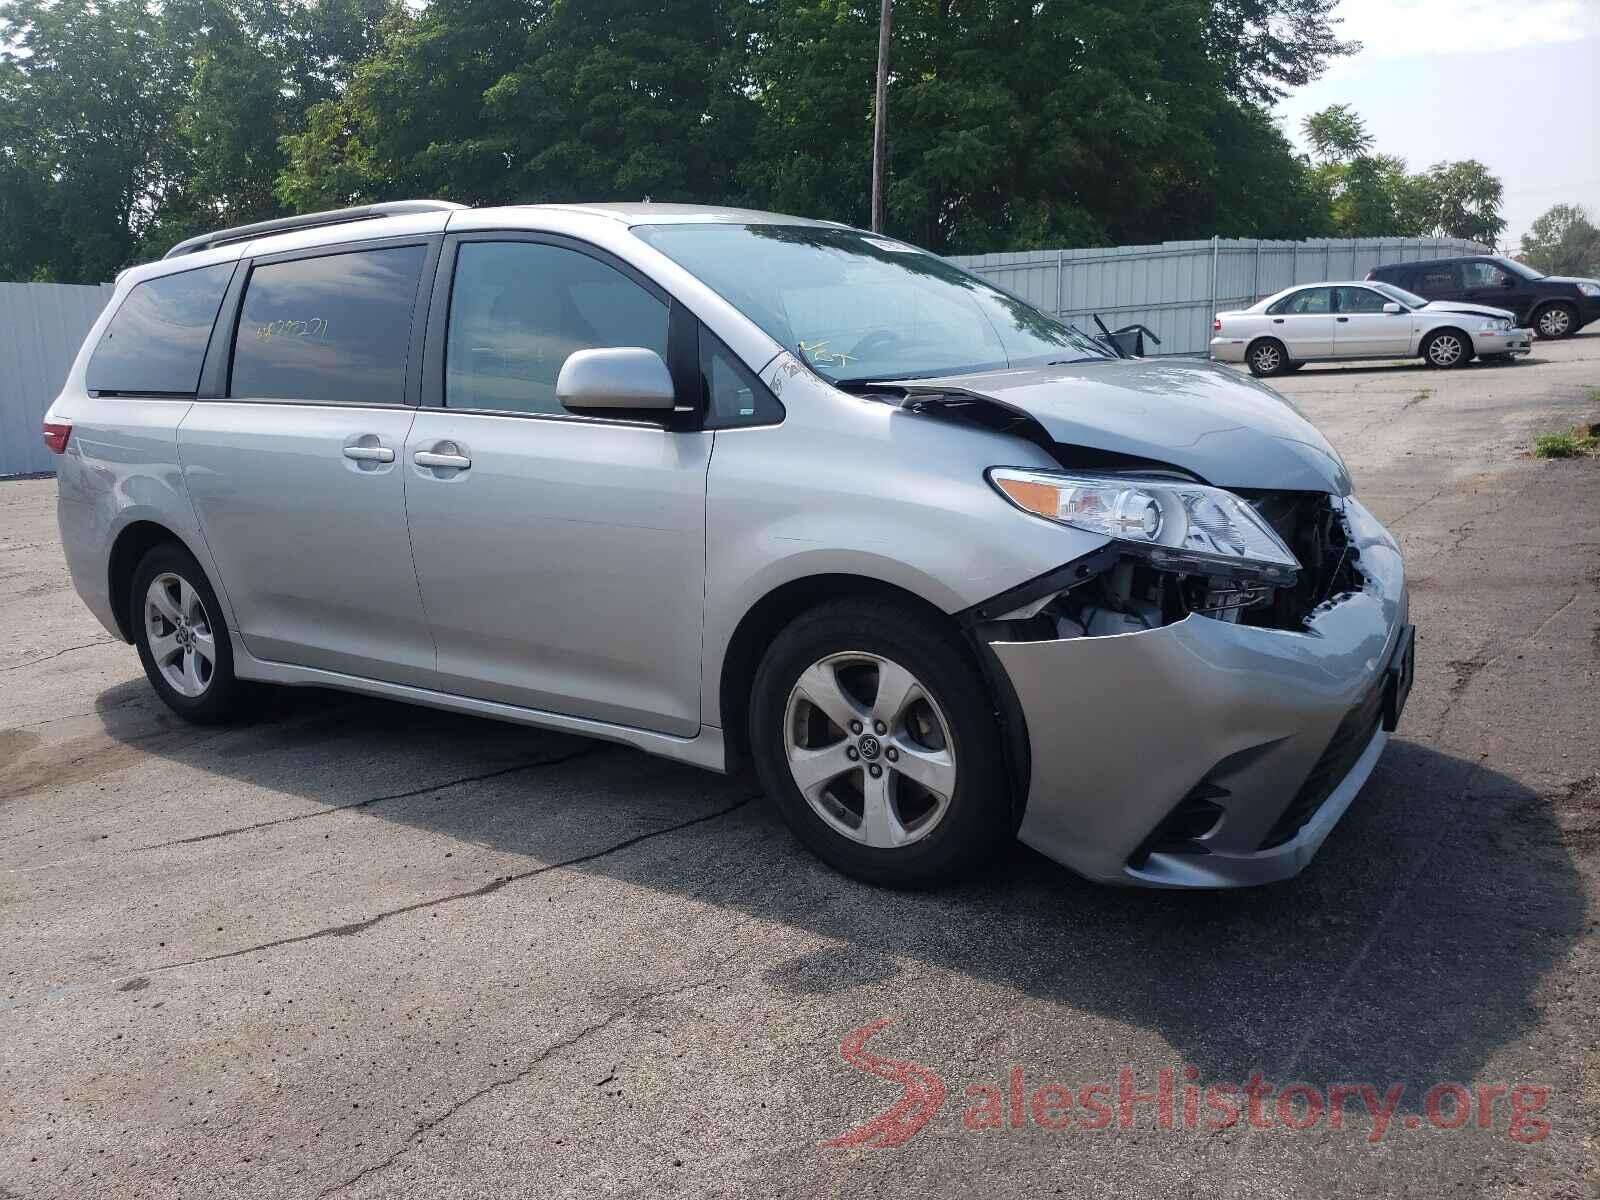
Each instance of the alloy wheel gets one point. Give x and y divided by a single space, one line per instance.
1445 350
869 749
1267 359
1554 322
179 631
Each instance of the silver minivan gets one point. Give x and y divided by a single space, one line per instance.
734 487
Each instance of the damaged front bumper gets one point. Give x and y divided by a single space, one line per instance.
1210 754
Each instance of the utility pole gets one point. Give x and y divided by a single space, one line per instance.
880 118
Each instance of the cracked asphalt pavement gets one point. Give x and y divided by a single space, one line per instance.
362 950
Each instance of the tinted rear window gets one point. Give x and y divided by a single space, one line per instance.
334 329
156 342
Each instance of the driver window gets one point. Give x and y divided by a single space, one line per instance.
1484 275
518 309
1361 300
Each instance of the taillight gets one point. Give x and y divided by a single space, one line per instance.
56 434
1216 324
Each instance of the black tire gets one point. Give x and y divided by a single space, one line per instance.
1446 349
1292 367
1552 322
975 824
1266 357
223 696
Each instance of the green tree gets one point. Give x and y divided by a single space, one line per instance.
1337 134
1465 201
1563 241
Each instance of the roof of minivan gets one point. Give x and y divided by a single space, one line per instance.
650 213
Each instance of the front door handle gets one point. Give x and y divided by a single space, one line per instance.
369 453
427 458
1277 320
1342 320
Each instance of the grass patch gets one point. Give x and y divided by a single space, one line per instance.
1576 443
1593 394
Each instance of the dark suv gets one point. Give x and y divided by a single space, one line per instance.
1555 306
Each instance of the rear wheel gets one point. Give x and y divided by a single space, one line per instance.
1446 348
1555 321
1267 357
873 732
182 637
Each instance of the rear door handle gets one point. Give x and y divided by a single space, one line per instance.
1277 320
369 453
1342 320
427 458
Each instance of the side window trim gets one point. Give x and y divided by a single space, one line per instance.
216 375
437 332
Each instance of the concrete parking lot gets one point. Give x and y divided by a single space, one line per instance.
358 949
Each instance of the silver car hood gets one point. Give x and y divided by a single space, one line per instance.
1475 310
1217 424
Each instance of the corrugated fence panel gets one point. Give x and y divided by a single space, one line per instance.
41 327
1176 288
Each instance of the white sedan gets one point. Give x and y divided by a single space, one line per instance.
1324 322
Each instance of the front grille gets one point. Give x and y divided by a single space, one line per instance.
1349 741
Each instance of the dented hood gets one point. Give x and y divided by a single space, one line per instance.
1217 424
1475 310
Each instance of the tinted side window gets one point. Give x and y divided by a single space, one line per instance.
335 329
1361 300
518 309
156 342
734 396
1483 275
1434 278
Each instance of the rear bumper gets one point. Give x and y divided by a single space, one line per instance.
1229 350
1274 730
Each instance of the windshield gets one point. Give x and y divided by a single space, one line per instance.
1409 299
857 307
1522 269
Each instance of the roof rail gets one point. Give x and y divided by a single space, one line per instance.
337 216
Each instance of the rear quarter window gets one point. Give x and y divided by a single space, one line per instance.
156 341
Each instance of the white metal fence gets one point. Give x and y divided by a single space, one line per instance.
41 327
1177 287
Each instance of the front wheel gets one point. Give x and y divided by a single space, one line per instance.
872 730
182 638
1555 321
1445 349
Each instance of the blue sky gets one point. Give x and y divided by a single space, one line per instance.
1513 83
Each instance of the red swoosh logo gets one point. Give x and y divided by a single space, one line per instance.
922 1092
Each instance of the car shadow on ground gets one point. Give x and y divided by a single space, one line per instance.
1417 939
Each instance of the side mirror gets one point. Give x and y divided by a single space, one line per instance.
1392 308
625 377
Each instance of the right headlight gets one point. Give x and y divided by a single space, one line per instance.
1176 525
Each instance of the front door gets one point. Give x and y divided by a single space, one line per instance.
1304 322
1361 329
561 558
1488 283
296 476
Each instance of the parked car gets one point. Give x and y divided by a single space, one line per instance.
1333 322
1554 305
731 486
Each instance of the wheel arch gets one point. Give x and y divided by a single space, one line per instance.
771 613
133 541
1250 346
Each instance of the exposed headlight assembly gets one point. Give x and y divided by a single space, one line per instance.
1179 526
